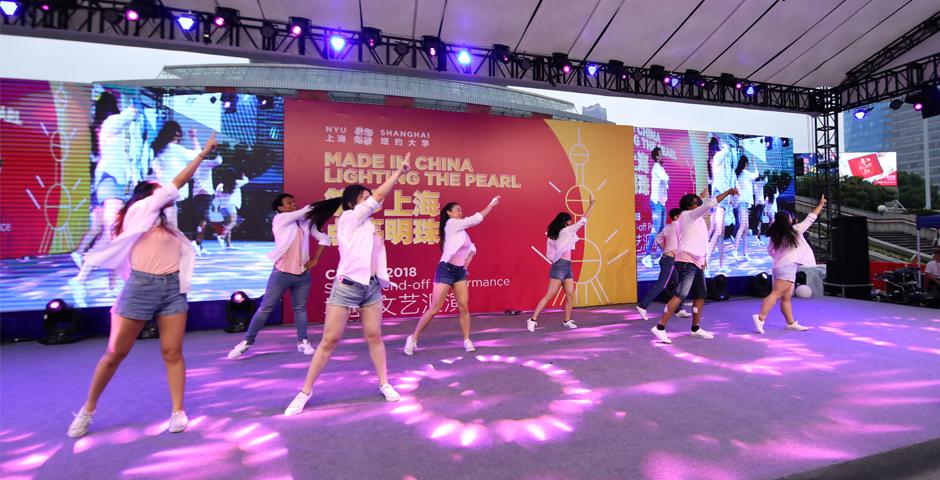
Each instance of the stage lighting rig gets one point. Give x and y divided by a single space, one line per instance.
657 73
238 312
502 53
371 37
561 63
298 26
617 69
225 17
59 323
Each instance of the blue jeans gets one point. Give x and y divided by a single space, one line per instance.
665 272
278 283
659 221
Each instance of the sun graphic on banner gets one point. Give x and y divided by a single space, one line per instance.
57 197
589 285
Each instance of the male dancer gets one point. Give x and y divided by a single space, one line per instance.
292 264
691 257
668 241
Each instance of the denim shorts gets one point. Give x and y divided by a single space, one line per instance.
786 272
146 296
691 281
561 270
449 274
347 293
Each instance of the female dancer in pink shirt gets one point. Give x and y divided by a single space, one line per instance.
789 250
562 238
452 270
156 259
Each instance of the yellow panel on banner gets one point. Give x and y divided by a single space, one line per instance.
602 159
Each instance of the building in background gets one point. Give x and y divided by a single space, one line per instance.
597 111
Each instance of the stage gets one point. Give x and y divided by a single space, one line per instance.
602 401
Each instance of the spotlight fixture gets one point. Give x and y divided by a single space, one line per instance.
238 312
502 53
717 287
265 103
402 49
463 57
225 17
525 63
298 26
591 69
657 72
638 74
861 113
750 90
229 103
738 85
760 285
131 15
727 80
337 42
560 62
432 45
142 9
896 104
692 77
59 323
371 37
268 30
9 8
186 22
918 106
616 68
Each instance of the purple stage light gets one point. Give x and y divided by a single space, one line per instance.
860 114
296 30
566 68
239 297
9 8
918 106
464 57
432 51
738 85
45 7
591 69
219 21
131 15
337 42
55 305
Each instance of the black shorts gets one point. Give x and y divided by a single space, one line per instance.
202 203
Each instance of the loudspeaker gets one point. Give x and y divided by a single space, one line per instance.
849 264
717 287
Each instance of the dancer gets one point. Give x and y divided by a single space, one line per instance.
789 250
451 272
203 193
691 258
156 260
292 264
659 186
360 277
668 241
113 178
745 184
719 165
562 238
228 198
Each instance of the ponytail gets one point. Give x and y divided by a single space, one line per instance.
320 212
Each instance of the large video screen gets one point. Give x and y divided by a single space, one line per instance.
880 168
123 136
760 167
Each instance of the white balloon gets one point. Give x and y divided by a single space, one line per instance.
803 291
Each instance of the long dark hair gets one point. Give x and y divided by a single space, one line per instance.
141 191
322 210
656 153
713 149
559 222
445 216
742 164
782 233
167 135
105 106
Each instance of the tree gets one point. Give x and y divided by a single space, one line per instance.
911 191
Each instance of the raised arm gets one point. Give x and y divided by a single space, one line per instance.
494 202
186 174
820 205
386 187
808 221
587 213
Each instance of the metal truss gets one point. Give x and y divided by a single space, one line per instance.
896 82
826 172
895 49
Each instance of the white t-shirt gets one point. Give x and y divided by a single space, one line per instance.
933 268
659 184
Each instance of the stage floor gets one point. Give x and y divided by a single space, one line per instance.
602 401
27 284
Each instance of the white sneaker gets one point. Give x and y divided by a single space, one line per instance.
642 312
702 333
196 248
468 346
683 314
79 426
758 323
389 392
796 326
531 324
660 334
410 345
178 422
303 347
77 258
569 324
241 348
297 404
647 261
221 242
